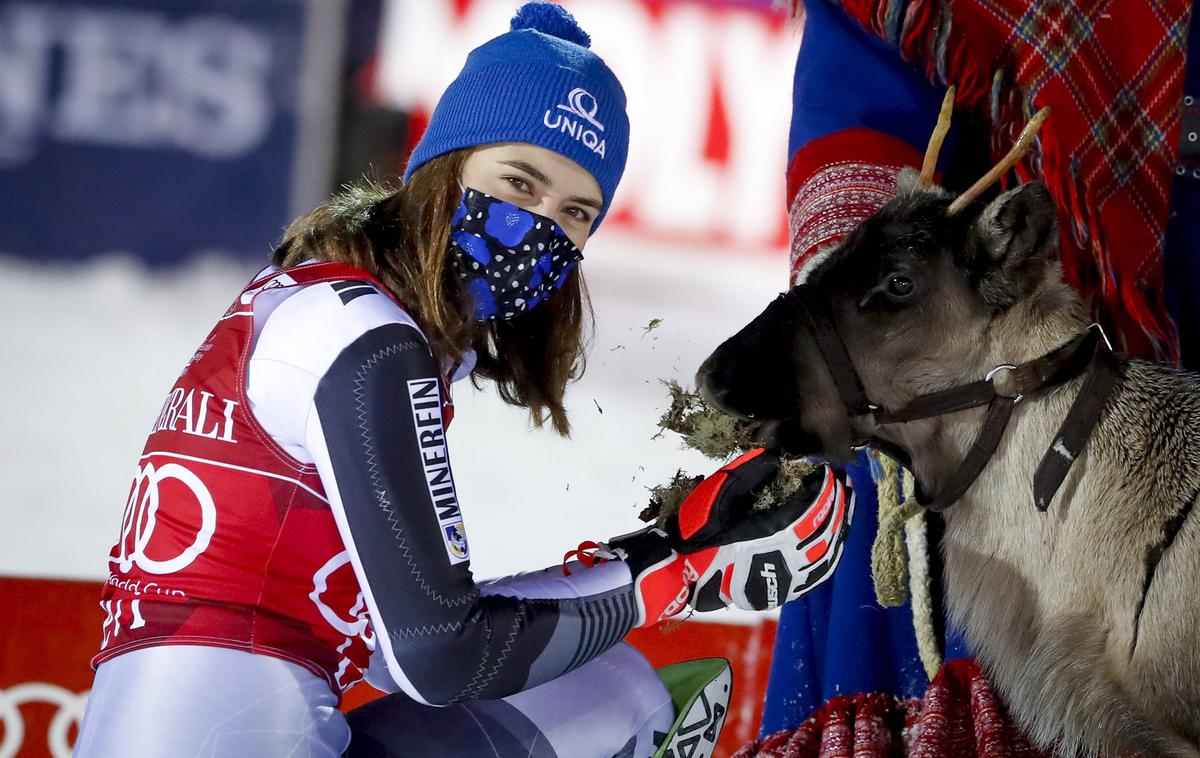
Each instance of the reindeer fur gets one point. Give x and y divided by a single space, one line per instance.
1089 636
1050 602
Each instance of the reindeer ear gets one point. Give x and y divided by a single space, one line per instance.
1011 243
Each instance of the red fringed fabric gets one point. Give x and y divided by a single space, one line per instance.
850 726
959 717
1112 72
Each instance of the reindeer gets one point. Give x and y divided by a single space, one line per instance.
1071 563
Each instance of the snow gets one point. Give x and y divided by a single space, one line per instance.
92 349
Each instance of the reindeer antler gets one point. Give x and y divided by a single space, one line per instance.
1015 154
929 166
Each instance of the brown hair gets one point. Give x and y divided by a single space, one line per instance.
401 236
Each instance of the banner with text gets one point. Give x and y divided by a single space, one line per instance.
162 129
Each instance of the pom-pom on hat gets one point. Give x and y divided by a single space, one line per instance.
541 84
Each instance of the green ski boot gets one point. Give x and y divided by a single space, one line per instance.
700 690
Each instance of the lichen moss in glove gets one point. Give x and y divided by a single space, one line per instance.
720 437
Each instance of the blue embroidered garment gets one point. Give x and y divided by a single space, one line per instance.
838 640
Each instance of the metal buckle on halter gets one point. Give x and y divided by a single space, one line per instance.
866 444
1002 367
872 409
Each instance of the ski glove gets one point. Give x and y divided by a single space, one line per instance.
660 586
718 550
759 559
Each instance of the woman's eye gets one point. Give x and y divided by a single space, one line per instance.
579 214
900 286
519 184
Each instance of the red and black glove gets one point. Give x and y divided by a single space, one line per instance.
718 550
760 559
659 587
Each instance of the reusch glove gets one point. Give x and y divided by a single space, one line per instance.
659 587
759 559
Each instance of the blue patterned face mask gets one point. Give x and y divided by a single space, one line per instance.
510 258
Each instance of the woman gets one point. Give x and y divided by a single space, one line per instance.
294 509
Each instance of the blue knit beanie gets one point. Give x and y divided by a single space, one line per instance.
540 84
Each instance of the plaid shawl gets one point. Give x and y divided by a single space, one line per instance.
1113 73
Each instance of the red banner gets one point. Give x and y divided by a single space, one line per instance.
50 629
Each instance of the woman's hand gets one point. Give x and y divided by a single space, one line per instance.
719 550
759 559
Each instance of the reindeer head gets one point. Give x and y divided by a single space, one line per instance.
915 295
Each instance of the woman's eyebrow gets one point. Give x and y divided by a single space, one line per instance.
527 168
539 176
586 201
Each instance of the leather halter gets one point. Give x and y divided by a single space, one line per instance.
1088 352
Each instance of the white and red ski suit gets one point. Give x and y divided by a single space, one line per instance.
295 501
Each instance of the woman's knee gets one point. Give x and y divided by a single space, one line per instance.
624 672
614 700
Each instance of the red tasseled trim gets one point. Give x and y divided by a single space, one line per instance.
959 717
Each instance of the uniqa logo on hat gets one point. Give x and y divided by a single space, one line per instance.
585 127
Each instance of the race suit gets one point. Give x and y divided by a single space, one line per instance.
295 500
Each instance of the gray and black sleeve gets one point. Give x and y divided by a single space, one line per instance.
377 437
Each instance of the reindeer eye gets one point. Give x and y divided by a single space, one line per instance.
900 286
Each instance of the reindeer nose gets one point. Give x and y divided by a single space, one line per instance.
715 380
752 374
